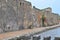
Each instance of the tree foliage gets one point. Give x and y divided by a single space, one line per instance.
43 19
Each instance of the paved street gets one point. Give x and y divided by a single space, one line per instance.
25 32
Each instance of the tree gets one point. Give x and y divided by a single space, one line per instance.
43 19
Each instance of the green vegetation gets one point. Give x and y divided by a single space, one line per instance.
43 19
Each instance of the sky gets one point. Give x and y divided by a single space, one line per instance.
41 4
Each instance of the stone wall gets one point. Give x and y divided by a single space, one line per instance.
50 18
48 13
37 14
12 13
19 14
27 14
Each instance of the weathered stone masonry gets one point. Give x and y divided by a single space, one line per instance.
19 14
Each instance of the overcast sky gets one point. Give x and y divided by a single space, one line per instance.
41 4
